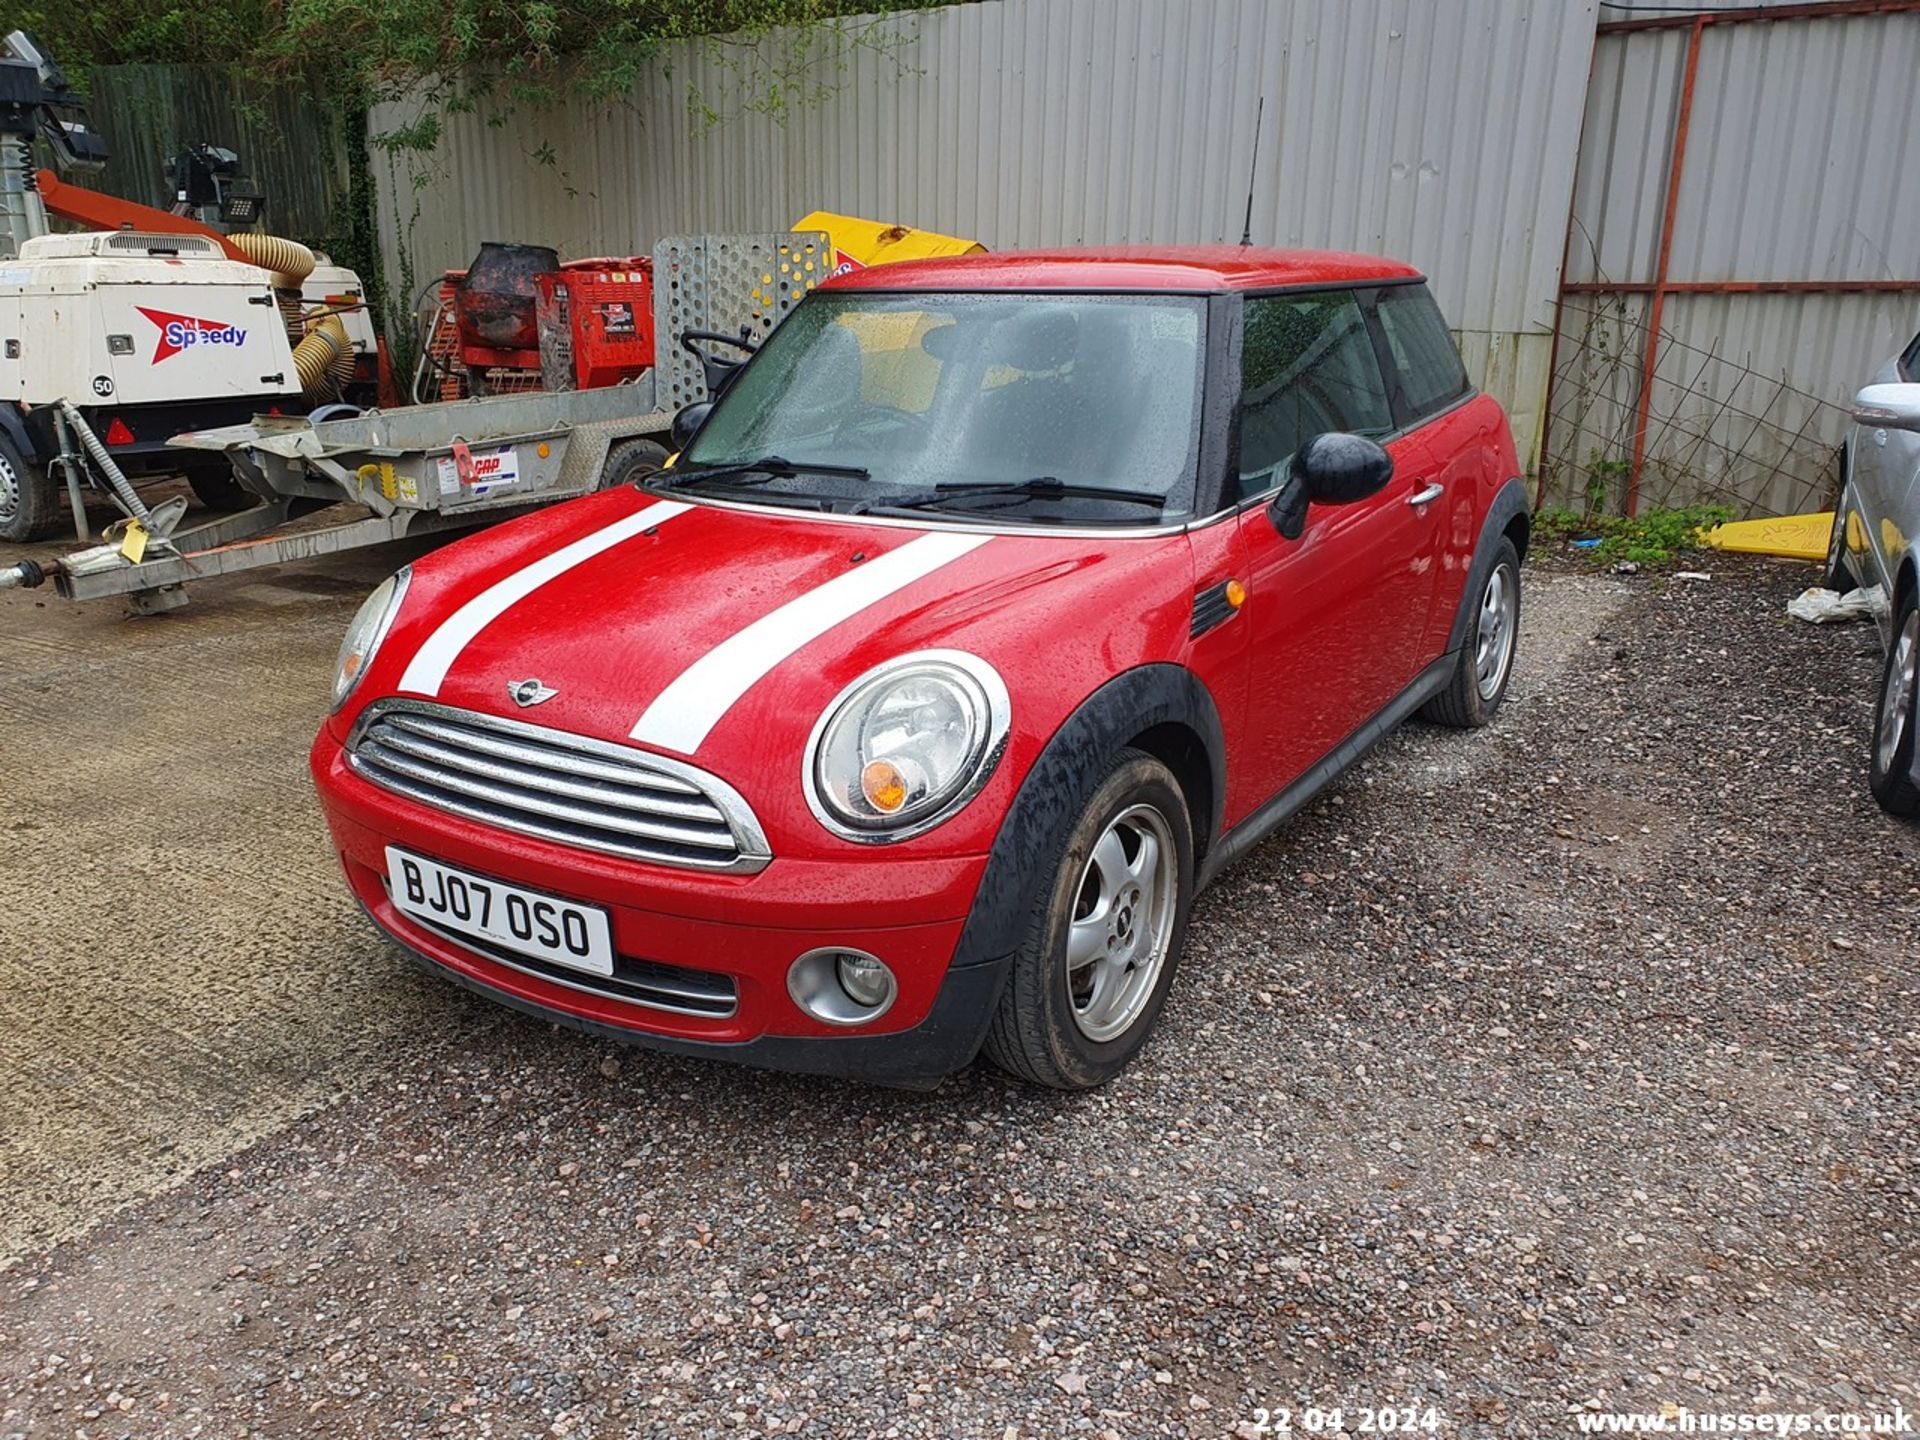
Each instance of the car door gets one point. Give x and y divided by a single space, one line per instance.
1442 441
1337 615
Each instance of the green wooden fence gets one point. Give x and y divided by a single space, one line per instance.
289 141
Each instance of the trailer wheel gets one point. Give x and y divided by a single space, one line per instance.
29 504
217 487
631 460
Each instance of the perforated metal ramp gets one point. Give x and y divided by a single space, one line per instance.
723 283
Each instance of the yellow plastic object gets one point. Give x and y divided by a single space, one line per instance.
382 477
859 243
1794 537
895 371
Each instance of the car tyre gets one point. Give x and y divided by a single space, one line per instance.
1101 946
1897 715
1485 663
29 503
631 460
1839 573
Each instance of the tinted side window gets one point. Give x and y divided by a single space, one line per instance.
1910 362
1307 366
1431 376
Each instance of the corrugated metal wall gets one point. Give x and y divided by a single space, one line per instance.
1441 133
1802 147
286 138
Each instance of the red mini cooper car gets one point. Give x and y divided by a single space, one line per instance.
998 605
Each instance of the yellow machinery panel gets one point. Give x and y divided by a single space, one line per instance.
859 243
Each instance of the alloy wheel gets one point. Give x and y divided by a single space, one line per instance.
1493 647
1122 923
9 490
1896 702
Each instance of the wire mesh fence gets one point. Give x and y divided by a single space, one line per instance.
1720 429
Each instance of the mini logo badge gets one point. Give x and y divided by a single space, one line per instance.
529 692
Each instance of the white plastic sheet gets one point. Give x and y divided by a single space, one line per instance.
1820 606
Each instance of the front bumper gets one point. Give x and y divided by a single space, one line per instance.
748 928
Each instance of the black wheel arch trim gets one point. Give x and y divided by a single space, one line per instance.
1051 796
1058 784
1508 503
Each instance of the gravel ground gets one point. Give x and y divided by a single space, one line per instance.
1552 1066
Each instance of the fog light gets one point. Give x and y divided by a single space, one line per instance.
866 981
841 986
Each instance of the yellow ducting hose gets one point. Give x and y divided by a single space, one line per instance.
289 260
345 360
324 359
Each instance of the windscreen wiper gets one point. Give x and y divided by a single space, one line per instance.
756 472
1040 487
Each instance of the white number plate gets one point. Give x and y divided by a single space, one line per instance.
524 921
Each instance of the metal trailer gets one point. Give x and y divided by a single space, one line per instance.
428 468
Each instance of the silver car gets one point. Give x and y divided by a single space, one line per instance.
1874 526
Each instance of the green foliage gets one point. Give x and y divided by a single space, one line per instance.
102 32
1603 475
499 59
531 51
1650 540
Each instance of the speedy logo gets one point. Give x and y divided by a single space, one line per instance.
183 332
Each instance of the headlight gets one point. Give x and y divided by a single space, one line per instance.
906 745
364 635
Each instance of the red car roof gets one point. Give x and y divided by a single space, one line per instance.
1127 267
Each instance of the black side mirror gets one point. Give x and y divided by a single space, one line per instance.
1332 469
1339 469
687 423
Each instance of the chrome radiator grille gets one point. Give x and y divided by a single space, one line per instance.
560 787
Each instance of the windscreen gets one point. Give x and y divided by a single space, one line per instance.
944 392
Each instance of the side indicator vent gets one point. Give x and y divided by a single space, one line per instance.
1215 605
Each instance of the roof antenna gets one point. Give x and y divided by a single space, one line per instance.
1246 235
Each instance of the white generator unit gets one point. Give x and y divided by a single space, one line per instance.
129 326
149 324
149 335
338 288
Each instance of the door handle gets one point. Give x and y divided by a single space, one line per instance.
1433 491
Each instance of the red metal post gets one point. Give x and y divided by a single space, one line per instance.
1813 10
1656 301
1743 287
